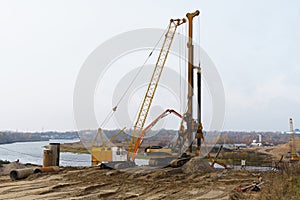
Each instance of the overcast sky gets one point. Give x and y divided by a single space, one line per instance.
254 45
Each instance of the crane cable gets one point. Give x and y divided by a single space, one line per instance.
185 71
183 84
199 64
114 109
182 60
179 65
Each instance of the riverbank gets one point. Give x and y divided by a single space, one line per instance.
32 152
75 147
27 140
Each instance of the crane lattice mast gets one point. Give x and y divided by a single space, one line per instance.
146 103
293 151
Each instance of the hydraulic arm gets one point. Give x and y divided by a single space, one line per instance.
139 140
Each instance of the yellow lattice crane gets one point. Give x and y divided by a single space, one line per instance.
147 100
293 152
103 151
152 86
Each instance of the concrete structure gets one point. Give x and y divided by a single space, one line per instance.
55 150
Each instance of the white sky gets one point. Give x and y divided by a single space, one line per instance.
254 44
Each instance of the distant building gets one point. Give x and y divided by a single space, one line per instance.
296 131
255 143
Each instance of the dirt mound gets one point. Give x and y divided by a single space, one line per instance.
5 170
197 165
283 149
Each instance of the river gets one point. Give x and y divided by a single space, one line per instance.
32 152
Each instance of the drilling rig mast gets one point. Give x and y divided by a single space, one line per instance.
191 123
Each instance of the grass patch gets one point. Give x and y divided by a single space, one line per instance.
70 149
81 151
284 184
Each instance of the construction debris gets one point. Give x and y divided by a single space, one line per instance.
252 187
18 174
6 168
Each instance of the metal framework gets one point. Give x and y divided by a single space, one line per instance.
293 152
189 113
99 134
146 103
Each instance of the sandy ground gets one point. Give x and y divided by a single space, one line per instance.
277 151
95 183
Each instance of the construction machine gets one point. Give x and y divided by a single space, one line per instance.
166 156
292 152
148 98
292 156
215 159
152 86
104 151
139 139
193 127
193 130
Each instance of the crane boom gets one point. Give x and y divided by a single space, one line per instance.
115 136
139 140
146 103
98 134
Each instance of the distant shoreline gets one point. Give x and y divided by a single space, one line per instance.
11 142
9 137
37 140
74 147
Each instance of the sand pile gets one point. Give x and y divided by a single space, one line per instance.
5 170
283 149
197 165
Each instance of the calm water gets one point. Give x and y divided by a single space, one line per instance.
32 152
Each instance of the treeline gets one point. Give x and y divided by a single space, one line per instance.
225 137
11 137
233 137
163 137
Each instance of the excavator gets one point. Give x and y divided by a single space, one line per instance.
215 159
139 140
